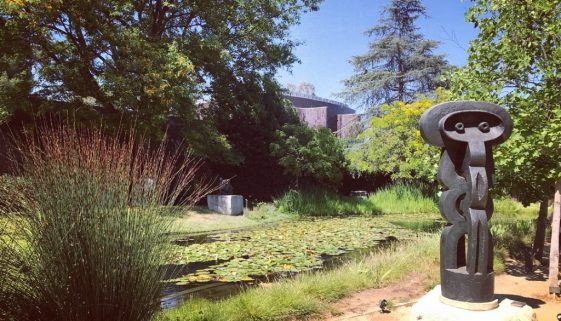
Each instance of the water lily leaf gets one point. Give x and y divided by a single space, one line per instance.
289 247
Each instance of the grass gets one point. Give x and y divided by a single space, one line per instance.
510 208
309 294
404 199
317 202
398 198
426 225
89 239
200 220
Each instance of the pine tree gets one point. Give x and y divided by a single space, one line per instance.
399 63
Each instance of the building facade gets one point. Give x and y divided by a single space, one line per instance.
318 112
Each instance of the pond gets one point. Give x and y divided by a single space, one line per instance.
217 265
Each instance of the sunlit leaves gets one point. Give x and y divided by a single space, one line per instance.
393 144
308 152
143 61
516 61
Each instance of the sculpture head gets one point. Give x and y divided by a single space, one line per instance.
465 121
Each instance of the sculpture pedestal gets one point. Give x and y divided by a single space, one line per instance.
225 204
431 308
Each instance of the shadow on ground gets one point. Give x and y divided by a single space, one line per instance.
517 268
533 302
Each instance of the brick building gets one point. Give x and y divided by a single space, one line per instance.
319 112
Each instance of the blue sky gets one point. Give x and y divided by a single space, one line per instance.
335 33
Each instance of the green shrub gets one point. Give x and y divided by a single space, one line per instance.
92 239
264 212
506 207
513 235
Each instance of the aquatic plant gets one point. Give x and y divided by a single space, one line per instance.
89 243
286 248
308 294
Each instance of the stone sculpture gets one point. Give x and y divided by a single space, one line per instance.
466 132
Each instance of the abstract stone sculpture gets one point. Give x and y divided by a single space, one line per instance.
466 131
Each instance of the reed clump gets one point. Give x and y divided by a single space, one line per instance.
90 241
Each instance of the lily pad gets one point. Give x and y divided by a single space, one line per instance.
288 247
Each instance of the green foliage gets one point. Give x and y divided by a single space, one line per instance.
515 62
143 61
285 248
393 144
507 207
318 202
514 236
15 68
265 212
308 294
421 225
12 193
305 152
399 64
89 243
404 199
398 198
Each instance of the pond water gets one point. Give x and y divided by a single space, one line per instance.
219 265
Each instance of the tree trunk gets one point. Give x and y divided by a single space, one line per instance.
554 250
539 237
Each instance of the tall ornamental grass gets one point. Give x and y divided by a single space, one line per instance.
397 198
90 241
404 199
319 202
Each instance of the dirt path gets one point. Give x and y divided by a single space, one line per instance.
514 284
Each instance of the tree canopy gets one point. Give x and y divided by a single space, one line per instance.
310 153
399 64
516 62
143 60
202 69
393 145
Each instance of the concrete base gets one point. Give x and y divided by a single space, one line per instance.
473 306
225 204
431 308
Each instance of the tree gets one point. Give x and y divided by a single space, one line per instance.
310 153
393 144
515 62
302 88
399 63
250 121
145 60
15 68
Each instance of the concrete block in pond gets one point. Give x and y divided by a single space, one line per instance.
225 204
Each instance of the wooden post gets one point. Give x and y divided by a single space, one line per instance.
554 247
